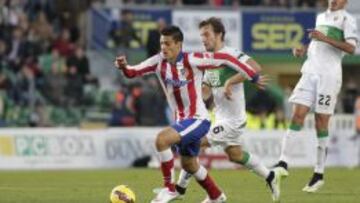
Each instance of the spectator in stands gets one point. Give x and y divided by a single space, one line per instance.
322 3
9 13
5 82
278 3
306 3
18 47
43 30
262 102
25 87
153 41
63 43
150 96
3 54
124 33
48 60
194 2
120 114
81 62
23 21
246 2
55 83
74 87
34 7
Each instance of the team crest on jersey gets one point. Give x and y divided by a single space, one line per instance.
183 71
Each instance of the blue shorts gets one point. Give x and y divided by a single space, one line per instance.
191 131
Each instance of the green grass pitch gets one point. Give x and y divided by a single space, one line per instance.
94 186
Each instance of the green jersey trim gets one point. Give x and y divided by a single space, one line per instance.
219 76
331 32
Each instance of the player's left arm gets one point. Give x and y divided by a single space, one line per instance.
238 78
205 61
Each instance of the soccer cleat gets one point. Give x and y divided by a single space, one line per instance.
273 181
221 199
165 196
316 182
282 169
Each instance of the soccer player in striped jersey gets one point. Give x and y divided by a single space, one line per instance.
181 75
335 34
230 115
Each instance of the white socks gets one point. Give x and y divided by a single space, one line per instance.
287 144
321 152
166 155
184 179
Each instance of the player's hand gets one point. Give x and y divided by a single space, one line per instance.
120 62
228 90
262 82
299 51
317 35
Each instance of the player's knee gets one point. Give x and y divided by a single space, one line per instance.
235 155
298 119
190 167
234 159
161 142
321 122
204 143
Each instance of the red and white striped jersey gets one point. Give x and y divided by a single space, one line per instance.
182 81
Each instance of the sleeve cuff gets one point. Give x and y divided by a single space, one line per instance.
255 79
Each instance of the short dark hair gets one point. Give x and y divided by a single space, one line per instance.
216 24
173 31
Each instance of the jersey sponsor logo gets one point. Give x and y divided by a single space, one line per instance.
177 83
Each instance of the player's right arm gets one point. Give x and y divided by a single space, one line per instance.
145 67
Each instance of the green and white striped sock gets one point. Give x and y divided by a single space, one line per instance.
253 163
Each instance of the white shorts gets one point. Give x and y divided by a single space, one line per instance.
317 91
226 133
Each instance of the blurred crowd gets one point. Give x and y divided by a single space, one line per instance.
46 79
274 3
42 59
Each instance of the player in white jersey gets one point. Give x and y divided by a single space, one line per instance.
181 76
230 115
335 34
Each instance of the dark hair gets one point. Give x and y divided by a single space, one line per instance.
174 32
216 24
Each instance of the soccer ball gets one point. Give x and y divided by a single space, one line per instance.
122 194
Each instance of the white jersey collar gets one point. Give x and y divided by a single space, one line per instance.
329 12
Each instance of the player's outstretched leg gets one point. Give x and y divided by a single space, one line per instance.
286 146
272 178
163 142
191 165
297 121
252 162
183 182
317 180
214 193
